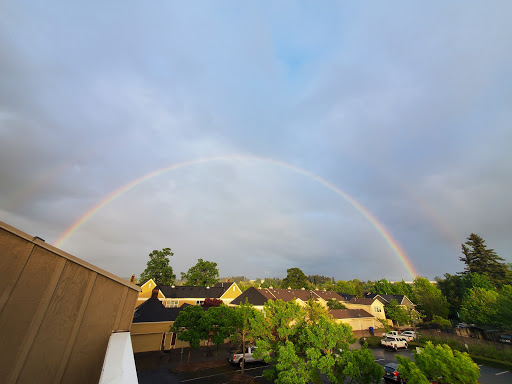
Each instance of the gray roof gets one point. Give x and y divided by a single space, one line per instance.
184 292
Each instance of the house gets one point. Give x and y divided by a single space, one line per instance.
258 297
402 300
150 327
373 306
358 319
175 296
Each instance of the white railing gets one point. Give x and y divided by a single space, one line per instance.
119 363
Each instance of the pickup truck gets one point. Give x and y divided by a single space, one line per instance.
407 335
237 357
394 342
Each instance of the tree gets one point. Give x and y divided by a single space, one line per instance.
397 313
158 268
430 300
204 273
219 323
335 304
295 279
504 305
456 287
479 306
484 261
189 327
243 315
302 343
440 364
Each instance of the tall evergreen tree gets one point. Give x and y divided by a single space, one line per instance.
484 261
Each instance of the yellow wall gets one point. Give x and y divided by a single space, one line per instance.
148 337
369 308
232 293
361 324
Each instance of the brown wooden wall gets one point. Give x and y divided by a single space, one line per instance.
57 312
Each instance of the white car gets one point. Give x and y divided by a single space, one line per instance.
238 357
409 335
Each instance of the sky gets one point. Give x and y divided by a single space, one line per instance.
351 140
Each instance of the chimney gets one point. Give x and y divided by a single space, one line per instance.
132 279
227 280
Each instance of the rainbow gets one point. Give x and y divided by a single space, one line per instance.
393 244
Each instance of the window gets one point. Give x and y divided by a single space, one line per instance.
171 303
199 302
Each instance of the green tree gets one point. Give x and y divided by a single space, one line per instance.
242 335
484 261
302 343
479 306
430 299
204 273
335 304
383 287
189 327
440 364
397 313
295 279
504 306
158 268
219 322
410 371
456 287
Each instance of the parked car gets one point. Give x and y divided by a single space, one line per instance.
409 333
237 357
391 373
506 339
394 342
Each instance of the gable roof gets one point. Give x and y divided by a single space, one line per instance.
401 299
349 313
346 296
184 291
152 310
262 295
363 301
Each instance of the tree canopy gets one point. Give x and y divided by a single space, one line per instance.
158 268
484 261
301 343
430 299
204 273
440 364
295 279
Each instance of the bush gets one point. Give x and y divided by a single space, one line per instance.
372 341
487 351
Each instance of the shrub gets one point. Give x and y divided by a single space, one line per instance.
372 341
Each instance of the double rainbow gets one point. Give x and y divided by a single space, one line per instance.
393 244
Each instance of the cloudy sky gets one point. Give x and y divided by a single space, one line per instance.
259 135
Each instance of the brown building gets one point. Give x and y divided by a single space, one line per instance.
57 312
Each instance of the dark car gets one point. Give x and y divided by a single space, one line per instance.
506 339
391 373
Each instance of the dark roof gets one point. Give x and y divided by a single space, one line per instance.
363 301
346 296
262 295
152 310
387 298
184 292
349 313
253 295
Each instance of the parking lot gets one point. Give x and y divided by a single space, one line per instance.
158 367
